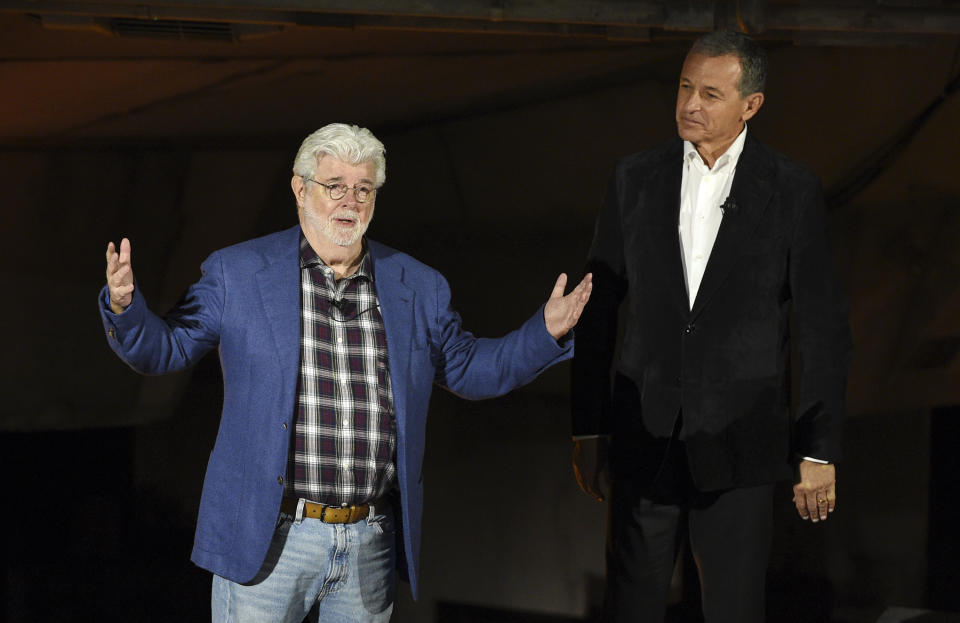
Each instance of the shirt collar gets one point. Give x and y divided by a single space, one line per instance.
728 158
309 258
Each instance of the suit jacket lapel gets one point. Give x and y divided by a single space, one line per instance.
752 190
279 285
396 308
662 199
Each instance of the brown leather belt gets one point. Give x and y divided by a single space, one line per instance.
329 514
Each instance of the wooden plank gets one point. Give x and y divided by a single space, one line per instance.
471 15
600 12
886 20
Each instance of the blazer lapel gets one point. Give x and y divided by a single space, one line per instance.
752 189
662 200
396 308
279 285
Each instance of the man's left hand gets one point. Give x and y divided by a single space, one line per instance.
816 494
562 312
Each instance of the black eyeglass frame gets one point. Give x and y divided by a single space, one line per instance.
371 191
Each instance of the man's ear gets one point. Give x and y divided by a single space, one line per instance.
752 104
299 188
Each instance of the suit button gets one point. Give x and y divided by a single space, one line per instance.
689 329
279 480
112 333
283 426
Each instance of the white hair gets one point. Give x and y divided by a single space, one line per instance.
348 143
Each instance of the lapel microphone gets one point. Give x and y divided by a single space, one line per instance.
730 206
344 306
347 309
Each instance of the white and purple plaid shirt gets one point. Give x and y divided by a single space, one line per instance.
345 436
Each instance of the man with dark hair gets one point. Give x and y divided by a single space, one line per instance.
718 246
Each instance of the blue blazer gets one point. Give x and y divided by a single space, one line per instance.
247 303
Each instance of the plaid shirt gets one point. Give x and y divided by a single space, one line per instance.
345 436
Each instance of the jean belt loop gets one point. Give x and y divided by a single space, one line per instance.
299 516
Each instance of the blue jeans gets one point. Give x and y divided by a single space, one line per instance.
346 570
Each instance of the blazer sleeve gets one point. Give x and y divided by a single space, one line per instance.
821 332
151 344
477 368
597 327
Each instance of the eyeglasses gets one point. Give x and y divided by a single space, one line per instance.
336 192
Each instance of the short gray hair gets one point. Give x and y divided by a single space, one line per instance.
752 57
348 143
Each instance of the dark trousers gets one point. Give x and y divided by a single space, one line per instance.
729 534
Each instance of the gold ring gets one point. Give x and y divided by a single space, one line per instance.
821 501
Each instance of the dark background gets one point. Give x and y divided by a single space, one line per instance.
176 124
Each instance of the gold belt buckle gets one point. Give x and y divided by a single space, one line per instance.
335 514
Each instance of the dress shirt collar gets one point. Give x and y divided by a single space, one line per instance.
309 257
728 159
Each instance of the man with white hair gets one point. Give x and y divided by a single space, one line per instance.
330 344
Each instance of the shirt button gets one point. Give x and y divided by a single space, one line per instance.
345 421
339 340
345 463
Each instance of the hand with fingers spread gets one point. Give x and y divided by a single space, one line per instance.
562 312
119 276
816 494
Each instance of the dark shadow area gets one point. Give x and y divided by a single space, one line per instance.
934 617
943 545
82 543
465 613
96 531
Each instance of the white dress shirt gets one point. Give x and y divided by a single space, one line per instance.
702 191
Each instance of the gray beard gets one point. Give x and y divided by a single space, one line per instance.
334 234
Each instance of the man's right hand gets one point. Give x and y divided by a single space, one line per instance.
119 276
590 466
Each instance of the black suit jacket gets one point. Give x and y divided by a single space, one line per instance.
725 364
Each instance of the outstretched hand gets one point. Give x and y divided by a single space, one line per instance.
119 276
562 312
